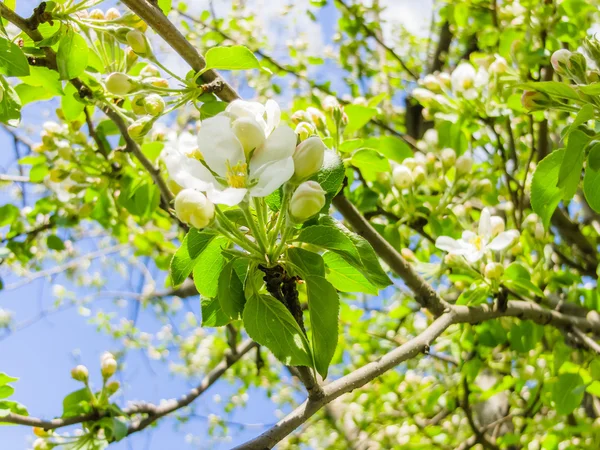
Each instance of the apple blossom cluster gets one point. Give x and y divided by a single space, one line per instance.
243 155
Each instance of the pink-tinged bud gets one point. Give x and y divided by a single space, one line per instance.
194 208
138 43
80 373
534 101
121 84
560 60
308 157
307 201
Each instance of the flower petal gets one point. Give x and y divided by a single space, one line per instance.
503 240
253 110
474 256
272 176
468 236
273 116
280 145
219 145
187 143
187 172
228 196
485 225
456 247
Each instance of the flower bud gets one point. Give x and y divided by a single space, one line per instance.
592 48
498 225
448 157
408 254
464 165
493 270
418 175
42 433
157 82
484 186
308 157
150 71
112 14
423 96
301 116
593 317
130 57
112 387
140 127
194 208
138 104
318 118
539 233
40 444
330 103
402 176
560 61
137 42
80 373
154 105
499 66
534 101
108 367
304 130
431 83
578 67
308 199
119 83
97 14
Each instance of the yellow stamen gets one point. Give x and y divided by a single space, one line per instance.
236 175
477 241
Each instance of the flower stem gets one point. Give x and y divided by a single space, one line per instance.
233 234
259 234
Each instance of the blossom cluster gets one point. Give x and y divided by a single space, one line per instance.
245 152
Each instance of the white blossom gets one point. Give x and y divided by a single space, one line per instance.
473 246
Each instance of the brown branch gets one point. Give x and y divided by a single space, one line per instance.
153 16
588 341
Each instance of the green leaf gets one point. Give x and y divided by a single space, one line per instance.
119 429
8 213
6 391
572 163
568 392
165 6
5 379
13 62
305 262
594 157
517 278
591 188
344 277
187 255
590 89
77 403
370 163
473 296
211 109
553 89
55 243
390 146
594 369
38 173
72 55
209 266
329 238
230 292
10 105
8 406
235 57
358 117
212 314
545 195
71 103
152 149
524 335
351 145
324 308
585 114
269 323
